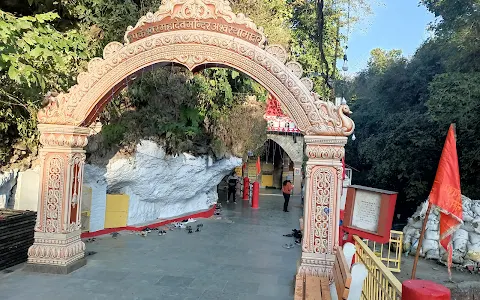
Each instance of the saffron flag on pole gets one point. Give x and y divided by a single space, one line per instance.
258 166
446 194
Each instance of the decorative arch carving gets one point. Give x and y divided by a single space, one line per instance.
196 34
214 36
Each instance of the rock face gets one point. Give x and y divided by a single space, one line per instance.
159 186
466 240
94 177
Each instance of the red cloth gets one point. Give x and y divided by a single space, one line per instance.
424 290
446 193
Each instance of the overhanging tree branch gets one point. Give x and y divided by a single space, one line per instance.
320 31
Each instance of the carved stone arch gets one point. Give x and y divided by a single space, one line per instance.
293 150
193 33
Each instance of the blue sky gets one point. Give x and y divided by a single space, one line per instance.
394 24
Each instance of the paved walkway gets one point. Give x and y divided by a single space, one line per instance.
240 260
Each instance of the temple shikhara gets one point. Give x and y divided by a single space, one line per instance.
277 120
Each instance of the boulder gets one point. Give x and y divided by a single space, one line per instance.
159 185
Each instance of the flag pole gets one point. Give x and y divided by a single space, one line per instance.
420 240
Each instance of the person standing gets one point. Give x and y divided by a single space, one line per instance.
287 191
232 186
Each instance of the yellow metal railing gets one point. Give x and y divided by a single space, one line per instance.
380 283
390 254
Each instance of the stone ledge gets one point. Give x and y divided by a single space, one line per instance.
62 270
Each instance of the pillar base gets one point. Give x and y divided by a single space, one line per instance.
315 264
53 269
58 253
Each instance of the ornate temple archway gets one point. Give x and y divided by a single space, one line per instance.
196 34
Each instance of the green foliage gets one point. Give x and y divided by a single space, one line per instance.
183 110
403 108
455 98
273 15
305 45
35 58
45 43
111 17
113 133
458 30
33 51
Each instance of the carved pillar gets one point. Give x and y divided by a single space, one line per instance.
57 247
321 208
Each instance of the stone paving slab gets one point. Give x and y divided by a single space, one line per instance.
243 260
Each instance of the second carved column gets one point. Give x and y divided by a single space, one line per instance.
321 208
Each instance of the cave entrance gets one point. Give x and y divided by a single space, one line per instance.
193 33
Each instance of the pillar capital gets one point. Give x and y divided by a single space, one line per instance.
325 147
63 136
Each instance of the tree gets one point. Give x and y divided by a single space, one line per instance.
35 58
78 30
455 98
458 28
381 59
402 108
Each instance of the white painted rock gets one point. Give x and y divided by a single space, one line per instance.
473 252
465 240
433 254
460 245
94 177
432 235
473 237
7 181
466 203
473 255
460 234
162 186
415 224
467 226
428 245
476 207
433 224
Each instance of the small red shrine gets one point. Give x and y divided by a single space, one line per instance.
277 121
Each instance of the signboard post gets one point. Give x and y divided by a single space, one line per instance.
369 213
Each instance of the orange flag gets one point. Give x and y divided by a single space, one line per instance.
446 194
259 170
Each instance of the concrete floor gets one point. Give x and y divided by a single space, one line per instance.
240 260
